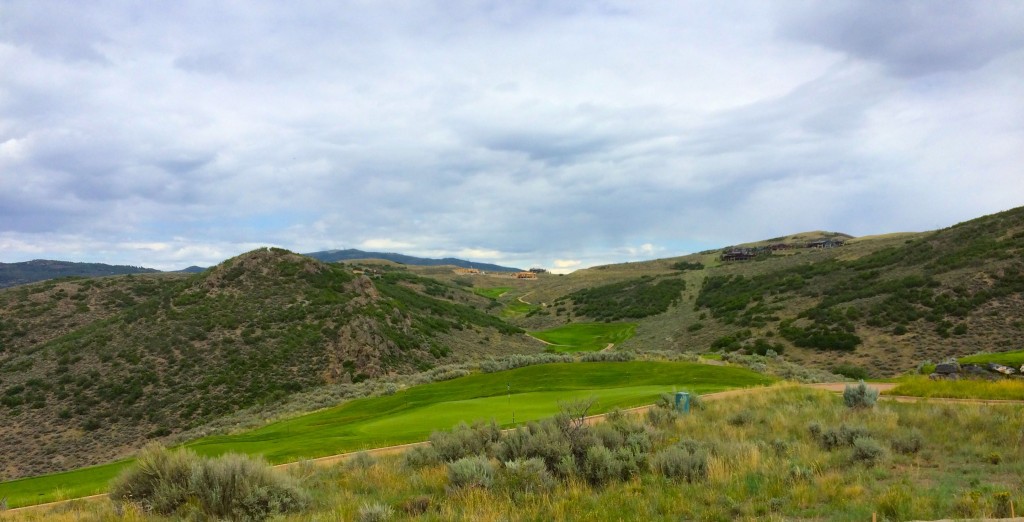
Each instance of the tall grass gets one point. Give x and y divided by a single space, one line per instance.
920 386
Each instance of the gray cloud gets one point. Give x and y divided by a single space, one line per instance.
912 37
521 131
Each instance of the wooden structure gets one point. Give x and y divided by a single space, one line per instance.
467 271
737 254
525 275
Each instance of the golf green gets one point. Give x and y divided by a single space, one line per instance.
411 414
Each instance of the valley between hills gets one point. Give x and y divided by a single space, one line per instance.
91 368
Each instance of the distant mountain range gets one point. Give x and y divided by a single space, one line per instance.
14 274
333 256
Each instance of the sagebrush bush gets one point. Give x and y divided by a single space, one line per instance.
543 440
600 466
361 460
908 443
471 472
867 450
159 480
677 463
520 360
661 417
465 440
832 438
741 418
860 396
420 457
608 356
232 486
375 512
518 477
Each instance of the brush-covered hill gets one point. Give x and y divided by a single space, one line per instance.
90 368
13 274
351 254
884 303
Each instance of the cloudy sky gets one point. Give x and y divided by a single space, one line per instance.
533 133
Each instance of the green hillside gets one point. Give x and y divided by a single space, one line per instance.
883 303
98 365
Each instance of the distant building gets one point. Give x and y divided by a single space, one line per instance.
469 271
737 254
826 243
525 275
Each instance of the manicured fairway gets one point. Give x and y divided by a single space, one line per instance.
586 337
492 293
518 308
411 414
1014 358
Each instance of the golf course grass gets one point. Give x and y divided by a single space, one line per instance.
1014 358
492 293
517 308
410 415
586 337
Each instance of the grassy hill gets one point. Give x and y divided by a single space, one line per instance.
883 303
89 368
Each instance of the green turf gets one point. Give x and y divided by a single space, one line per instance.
586 337
1014 358
492 293
516 308
411 414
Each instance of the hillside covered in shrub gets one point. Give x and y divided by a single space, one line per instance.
129 358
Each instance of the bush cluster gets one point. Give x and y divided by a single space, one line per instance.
235 487
521 360
860 396
528 459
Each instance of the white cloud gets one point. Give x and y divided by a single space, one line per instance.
567 263
384 244
515 133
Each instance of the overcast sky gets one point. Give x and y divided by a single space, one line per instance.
535 133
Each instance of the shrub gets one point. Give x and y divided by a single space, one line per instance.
608 356
850 371
420 457
600 466
661 417
416 506
677 463
375 512
524 476
232 486
566 466
464 441
361 460
908 444
543 440
741 418
860 396
471 472
831 438
867 450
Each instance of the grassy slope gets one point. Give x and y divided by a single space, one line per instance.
1014 358
769 467
960 304
586 337
131 358
413 413
492 293
921 386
